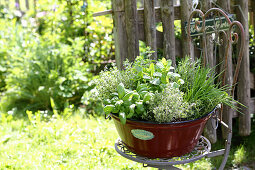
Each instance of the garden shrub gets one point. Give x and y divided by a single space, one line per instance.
40 68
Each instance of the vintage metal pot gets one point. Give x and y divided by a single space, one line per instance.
165 140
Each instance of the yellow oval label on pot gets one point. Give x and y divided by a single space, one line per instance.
142 134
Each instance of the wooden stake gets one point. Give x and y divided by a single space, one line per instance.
243 91
185 11
150 26
120 36
167 14
131 29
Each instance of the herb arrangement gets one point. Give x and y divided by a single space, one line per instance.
155 91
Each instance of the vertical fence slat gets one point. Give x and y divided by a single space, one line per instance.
228 112
17 4
150 26
120 37
209 131
131 29
253 13
167 14
27 4
243 90
35 4
187 47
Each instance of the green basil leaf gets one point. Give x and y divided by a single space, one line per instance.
128 95
122 117
114 94
118 104
140 86
107 101
142 93
127 102
121 90
139 106
131 111
155 81
136 96
108 109
147 97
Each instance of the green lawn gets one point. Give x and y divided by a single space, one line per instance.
59 143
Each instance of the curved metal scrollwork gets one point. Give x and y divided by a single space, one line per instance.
217 35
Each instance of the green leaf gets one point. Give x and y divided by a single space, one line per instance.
114 100
142 93
160 66
131 111
127 102
139 106
118 104
146 77
139 71
114 94
169 64
115 110
171 74
108 109
155 81
136 96
122 117
163 79
164 62
128 96
143 89
140 86
152 69
147 97
107 101
175 85
121 90
157 74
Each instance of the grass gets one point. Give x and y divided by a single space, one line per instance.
73 143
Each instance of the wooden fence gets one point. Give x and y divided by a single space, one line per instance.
132 24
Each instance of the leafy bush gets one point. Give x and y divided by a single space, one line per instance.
73 18
40 68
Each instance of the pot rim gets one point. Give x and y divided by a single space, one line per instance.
168 123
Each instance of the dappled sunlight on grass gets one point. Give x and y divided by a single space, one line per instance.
76 143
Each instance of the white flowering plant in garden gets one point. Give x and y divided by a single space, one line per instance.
155 91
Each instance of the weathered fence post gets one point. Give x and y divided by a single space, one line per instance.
119 28
228 112
243 90
253 14
17 4
150 26
187 47
167 14
210 131
27 4
131 29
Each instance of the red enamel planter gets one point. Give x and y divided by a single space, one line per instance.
165 140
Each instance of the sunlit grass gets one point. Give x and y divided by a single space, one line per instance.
75 143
